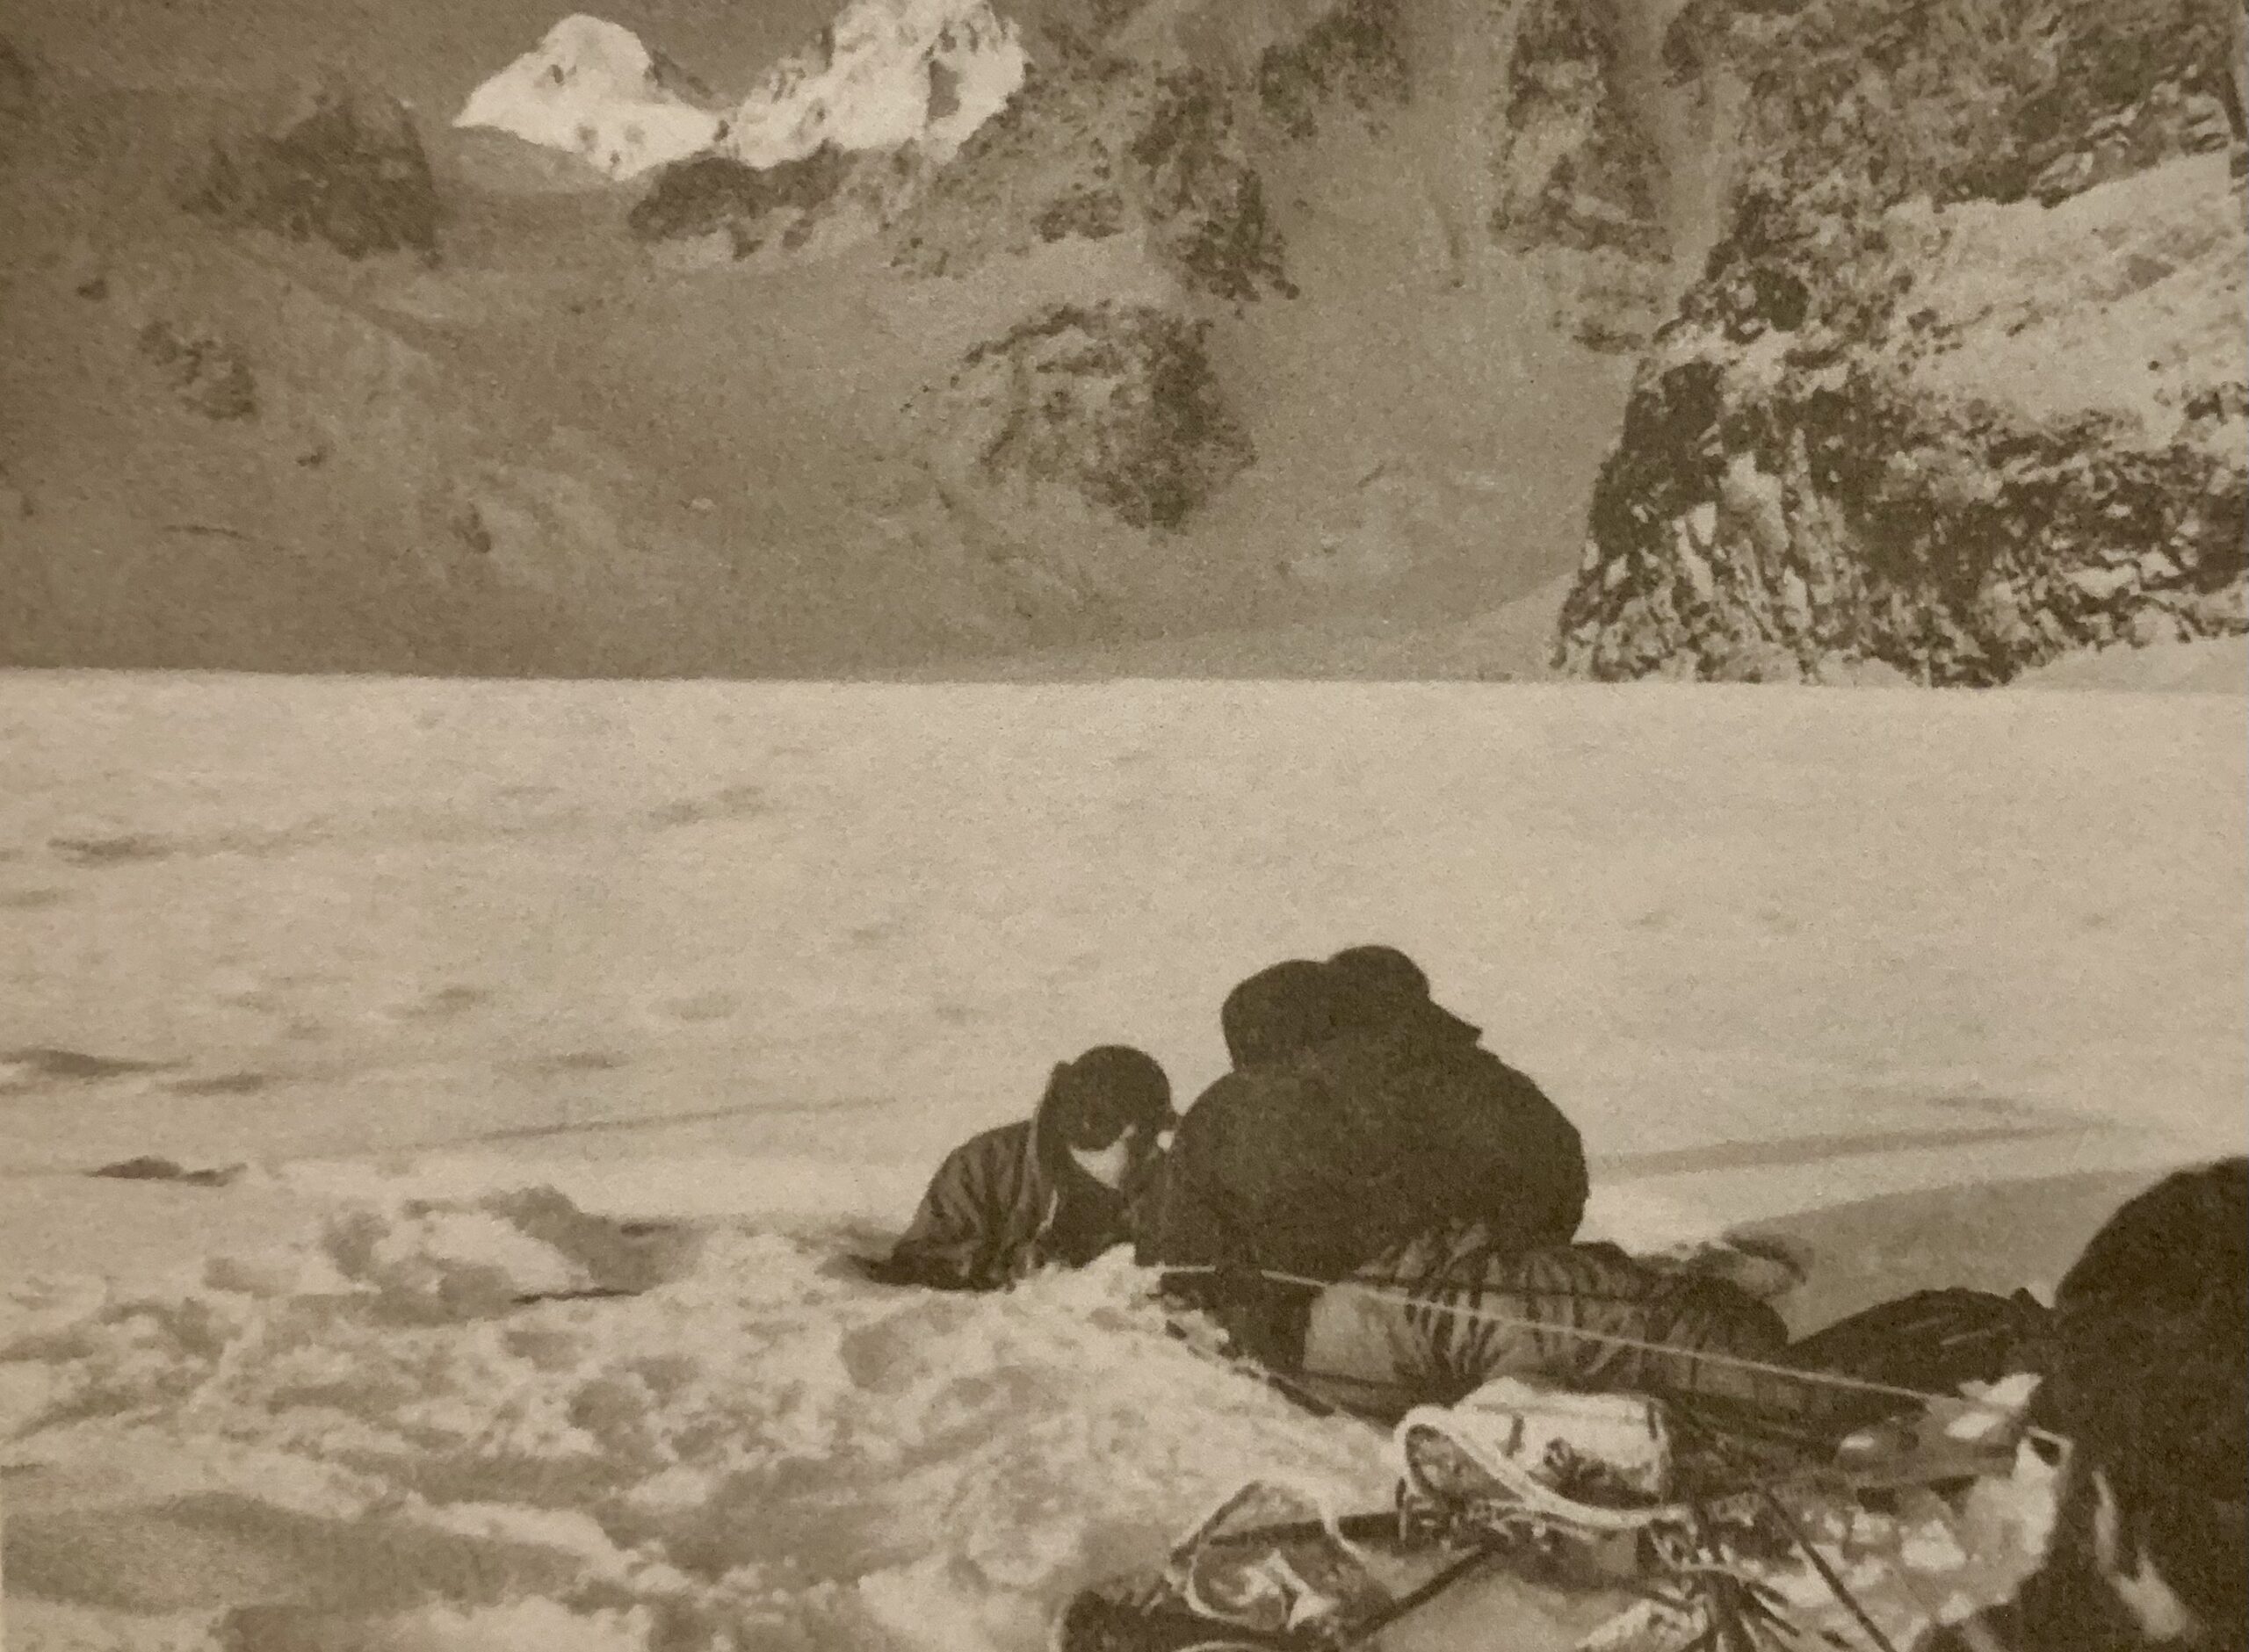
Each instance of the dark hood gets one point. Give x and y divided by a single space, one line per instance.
1390 990
1282 1011
1113 1083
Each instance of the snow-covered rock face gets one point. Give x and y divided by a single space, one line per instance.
591 88
885 74
1960 387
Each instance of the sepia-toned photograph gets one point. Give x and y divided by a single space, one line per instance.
1124 825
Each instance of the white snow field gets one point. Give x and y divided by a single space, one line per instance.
590 88
885 74
478 978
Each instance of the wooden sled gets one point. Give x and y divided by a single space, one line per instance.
1499 1538
1364 1581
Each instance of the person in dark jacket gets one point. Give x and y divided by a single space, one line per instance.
1058 1189
1511 1161
2148 1377
1357 1114
1257 1175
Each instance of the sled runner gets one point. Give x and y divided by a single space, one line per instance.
1267 1570
1567 1520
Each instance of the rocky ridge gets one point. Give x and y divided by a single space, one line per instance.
1117 403
1055 320
1960 386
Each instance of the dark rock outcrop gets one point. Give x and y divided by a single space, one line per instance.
149 1168
1351 56
1117 403
1090 150
1577 168
1609 147
339 165
1205 202
751 206
205 374
1107 137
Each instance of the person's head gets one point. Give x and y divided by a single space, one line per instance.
1283 1011
1391 990
2149 1379
1107 1110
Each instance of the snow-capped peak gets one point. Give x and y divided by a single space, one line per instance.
591 88
885 74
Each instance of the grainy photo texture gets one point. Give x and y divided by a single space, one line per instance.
1124 826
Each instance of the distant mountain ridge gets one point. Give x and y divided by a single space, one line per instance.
954 331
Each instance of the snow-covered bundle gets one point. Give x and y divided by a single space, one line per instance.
591 88
885 74
1540 1448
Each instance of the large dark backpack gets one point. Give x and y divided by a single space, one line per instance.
1931 1342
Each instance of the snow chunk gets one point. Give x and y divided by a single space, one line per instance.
885 74
2124 301
275 1271
1996 1406
452 1263
27 1392
45 1318
1933 1548
592 89
940 1604
439 1259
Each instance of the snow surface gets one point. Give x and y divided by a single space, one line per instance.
2125 301
592 89
676 990
886 73
2208 665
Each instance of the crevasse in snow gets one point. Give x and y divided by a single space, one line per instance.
591 88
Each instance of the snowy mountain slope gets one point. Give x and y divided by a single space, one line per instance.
880 75
773 437
1427 245
885 74
872 551
590 88
434 468
1960 387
